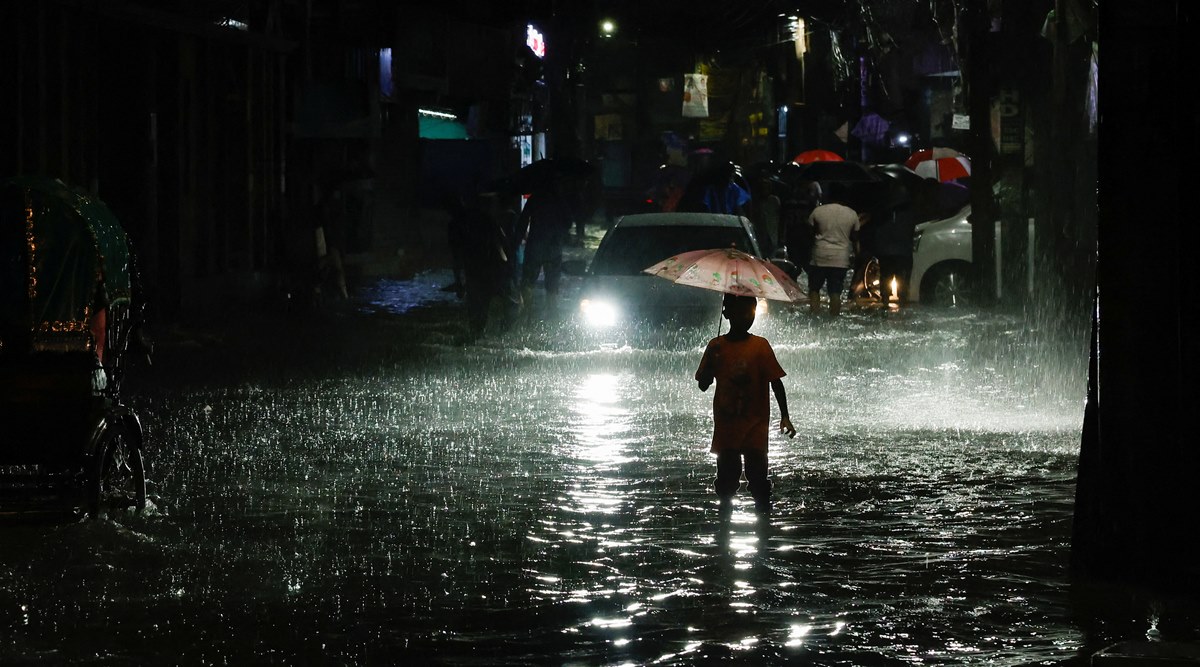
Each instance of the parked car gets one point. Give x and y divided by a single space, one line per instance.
942 271
618 296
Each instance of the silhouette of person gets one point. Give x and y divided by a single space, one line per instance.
723 194
484 260
802 200
744 367
544 224
892 243
331 237
835 241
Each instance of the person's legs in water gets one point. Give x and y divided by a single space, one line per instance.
530 269
858 279
758 481
479 300
552 273
513 303
836 281
729 475
510 302
545 258
816 279
339 272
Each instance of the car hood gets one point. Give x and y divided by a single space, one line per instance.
960 219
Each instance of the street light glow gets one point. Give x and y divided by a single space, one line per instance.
798 36
608 28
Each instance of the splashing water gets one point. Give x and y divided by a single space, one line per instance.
533 498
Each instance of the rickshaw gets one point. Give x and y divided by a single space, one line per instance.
68 314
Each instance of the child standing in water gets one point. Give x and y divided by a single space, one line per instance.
743 366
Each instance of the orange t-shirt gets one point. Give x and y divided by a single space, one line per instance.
744 370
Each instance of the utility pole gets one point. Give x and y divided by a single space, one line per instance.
976 51
1138 459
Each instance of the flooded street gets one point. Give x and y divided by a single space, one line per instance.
390 495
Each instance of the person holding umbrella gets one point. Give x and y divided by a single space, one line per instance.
743 366
835 241
484 261
544 225
892 245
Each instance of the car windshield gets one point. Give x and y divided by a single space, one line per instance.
628 250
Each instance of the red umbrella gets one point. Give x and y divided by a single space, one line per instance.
817 155
945 168
926 154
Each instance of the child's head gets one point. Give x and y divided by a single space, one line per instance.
739 310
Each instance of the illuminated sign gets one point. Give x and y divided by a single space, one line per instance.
535 41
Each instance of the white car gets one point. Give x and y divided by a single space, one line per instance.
617 294
942 271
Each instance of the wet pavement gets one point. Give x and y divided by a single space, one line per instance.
357 485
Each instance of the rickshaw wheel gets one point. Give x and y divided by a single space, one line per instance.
872 280
117 483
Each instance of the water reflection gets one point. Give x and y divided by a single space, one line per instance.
600 424
526 500
398 297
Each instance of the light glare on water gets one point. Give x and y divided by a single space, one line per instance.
532 498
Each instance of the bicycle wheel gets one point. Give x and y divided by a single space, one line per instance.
117 481
872 279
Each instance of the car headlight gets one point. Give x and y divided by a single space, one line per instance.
598 313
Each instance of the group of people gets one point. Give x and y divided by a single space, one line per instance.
826 235
498 254
827 238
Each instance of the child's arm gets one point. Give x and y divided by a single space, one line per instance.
785 424
708 366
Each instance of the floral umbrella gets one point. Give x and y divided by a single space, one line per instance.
817 155
731 271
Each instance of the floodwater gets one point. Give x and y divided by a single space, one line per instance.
390 495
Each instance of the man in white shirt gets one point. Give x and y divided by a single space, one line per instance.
835 228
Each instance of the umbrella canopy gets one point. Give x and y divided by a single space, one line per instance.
826 171
817 155
899 172
945 168
926 154
947 197
731 271
61 246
